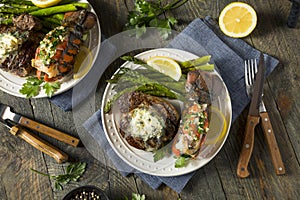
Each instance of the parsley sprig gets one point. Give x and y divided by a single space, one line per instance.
33 86
73 172
147 14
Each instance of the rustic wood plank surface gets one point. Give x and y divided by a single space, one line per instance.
217 179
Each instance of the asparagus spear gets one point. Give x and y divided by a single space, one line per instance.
23 2
12 10
6 21
54 10
158 90
149 88
195 62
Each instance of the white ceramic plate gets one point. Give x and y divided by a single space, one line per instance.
11 84
143 161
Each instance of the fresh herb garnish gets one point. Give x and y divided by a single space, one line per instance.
33 86
136 196
51 87
147 14
182 161
73 173
161 153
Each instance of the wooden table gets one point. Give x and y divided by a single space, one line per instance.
216 180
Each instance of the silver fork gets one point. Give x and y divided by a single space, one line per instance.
250 71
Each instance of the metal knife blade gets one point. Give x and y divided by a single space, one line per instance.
252 120
6 113
258 88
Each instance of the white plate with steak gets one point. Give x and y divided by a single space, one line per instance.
140 126
24 59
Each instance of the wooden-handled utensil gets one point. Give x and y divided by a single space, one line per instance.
37 142
6 113
257 112
252 121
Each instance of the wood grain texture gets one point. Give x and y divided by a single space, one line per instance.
217 179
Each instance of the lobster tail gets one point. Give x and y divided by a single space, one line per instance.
57 51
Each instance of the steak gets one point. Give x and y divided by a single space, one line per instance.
147 122
18 44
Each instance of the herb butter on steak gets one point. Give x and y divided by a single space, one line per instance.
147 122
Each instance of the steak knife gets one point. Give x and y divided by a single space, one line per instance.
252 120
7 114
36 142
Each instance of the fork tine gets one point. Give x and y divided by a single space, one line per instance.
246 72
245 66
252 71
255 66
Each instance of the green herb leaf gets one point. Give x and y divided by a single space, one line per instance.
51 87
147 14
181 161
31 88
161 153
158 155
138 196
73 173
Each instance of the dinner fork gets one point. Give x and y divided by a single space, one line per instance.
250 71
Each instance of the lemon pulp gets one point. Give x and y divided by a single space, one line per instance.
165 65
83 62
217 126
45 3
237 20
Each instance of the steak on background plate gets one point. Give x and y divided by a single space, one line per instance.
18 44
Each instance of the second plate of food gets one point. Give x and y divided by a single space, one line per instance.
159 123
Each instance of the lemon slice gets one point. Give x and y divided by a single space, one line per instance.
83 62
166 66
45 3
217 127
237 20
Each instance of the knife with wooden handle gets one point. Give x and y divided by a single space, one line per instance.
38 143
246 152
46 130
7 114
252 120
272 143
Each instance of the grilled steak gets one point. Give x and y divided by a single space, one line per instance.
147 122
18 44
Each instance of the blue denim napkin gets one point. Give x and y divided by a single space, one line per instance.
227 53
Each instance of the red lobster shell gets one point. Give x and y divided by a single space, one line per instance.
55 57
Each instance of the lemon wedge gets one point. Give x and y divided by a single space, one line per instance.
165 65
83 62
45 3
217 127
237 20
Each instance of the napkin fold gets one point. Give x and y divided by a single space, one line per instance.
228 55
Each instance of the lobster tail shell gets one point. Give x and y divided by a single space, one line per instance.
83 20
62 44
